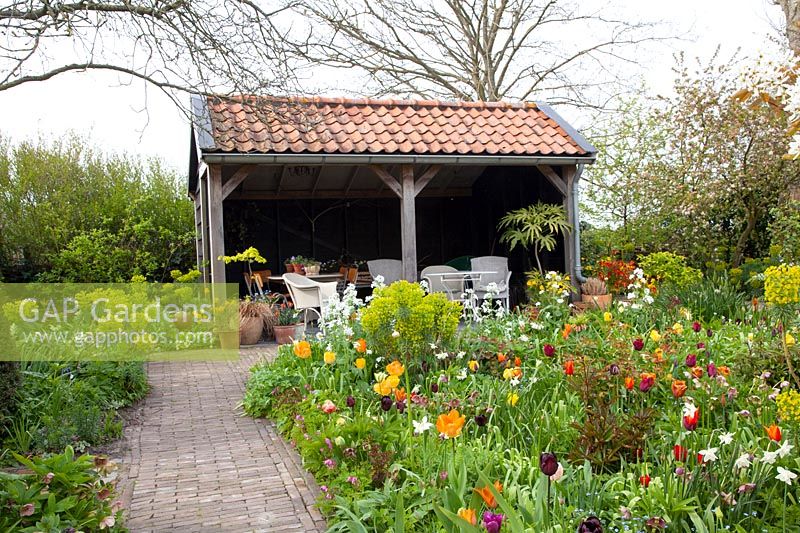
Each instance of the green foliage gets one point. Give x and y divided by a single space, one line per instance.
785 231
709 299
536 226
62 492
94 217
669 269
64 404
9 381
266 380
419 319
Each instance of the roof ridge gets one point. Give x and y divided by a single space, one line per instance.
392 102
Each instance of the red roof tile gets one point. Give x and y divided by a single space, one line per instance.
339 125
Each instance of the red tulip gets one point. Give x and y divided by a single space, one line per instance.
696 326
690 422
549 350
644 480
629 383
774 432
679 452
569 367
638 344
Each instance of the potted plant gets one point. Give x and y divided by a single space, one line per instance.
535 226
251 321
288 327
595 293
226 321
297 263
312 267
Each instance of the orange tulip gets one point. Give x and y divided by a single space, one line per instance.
468 515
450 424
678 388
629 383
724 370
400 394
774 432
501 358
517 361
360 345
697 372
567 330
395 368
486 494
302 349
569 367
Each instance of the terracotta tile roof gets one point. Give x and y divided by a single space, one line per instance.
340 125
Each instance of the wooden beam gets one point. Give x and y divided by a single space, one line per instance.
426 178
316 180
388 179
350 180
569 239
408 222
553 178
280 178
236 179
339 195
216 231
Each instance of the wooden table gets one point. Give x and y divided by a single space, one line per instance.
471 276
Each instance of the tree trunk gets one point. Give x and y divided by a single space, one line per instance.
791 9
738 252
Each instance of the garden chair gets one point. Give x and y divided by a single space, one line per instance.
349 276
499 274
309 295
259 279
390 269
452 284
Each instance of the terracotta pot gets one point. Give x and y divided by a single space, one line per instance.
599 301
250 330
298 268
288 334
229 340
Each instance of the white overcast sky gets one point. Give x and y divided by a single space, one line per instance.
111 114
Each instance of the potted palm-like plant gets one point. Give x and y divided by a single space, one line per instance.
535 226
595 293
288 327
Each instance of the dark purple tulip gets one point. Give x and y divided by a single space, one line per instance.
709 332
656 523
424 366
701 346
646 384
481 420
591 525
638 344
401 406
435 388
386 403
712 370
492 522
613 369
549 350
696 326
548 463
351 402
691 360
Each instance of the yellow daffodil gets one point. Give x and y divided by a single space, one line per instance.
329 358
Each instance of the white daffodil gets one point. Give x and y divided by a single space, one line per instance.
395 334
462 375
514 382
743 461
689 409
726 438
784 450
422 426
441 356
460 355
709 455
769 457
787 476
524 338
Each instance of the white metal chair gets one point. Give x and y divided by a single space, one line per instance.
498 273
446 279
309 295
390 269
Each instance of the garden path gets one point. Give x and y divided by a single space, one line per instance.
194 463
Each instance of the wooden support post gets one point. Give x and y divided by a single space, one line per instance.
215 227
569 239
408 221
236 179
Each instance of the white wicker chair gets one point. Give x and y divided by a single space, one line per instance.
390 269
501 276
452 285
309 295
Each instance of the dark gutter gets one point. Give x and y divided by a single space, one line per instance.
572 132
393 159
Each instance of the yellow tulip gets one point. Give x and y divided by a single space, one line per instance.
473 365
655 336
512 399
329 358
361 363
677 327
607 316
790 341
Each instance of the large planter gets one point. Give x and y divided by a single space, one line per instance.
228 340
288 334
599 301
312 270
250 329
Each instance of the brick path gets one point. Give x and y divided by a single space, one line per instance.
193 463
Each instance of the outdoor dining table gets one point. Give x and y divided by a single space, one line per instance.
335 276
473 277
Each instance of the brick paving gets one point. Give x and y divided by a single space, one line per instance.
194 463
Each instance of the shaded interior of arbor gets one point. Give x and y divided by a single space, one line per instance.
369 228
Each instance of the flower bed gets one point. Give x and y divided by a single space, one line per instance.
636 419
